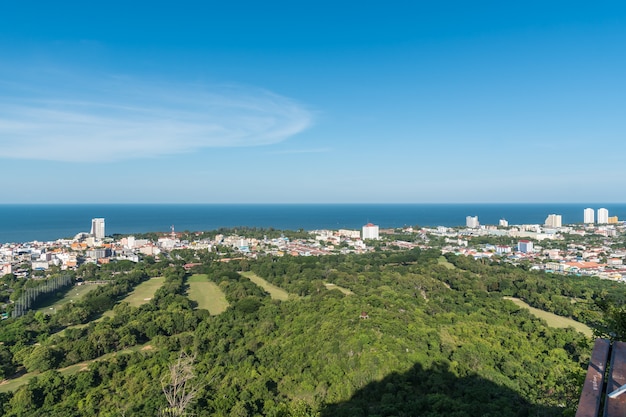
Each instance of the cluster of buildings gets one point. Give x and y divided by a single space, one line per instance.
590 248
556 220
603 217
530 243
95 247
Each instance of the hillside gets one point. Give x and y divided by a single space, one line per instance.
436 341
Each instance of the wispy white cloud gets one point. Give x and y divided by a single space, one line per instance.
114 118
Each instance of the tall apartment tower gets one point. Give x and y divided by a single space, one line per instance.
603 216
472 222
553 220
370 231
589 216
97 228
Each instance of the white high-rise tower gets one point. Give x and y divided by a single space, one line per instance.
589 215
370 231
97 228
472 222
603 216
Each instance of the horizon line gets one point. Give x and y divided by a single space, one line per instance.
308 203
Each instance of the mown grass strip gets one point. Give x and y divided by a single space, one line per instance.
331 286
75 293
144 292
443 261
552 319
15 383
275 292
207 294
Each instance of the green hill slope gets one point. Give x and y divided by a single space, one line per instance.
428 347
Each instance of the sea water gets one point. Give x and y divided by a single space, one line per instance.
42 222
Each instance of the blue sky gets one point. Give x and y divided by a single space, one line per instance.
301 102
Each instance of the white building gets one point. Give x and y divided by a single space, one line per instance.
525 246
167 243
40 265
97 228
603 216
553 220
370 231
353 234
588 216
503 223
500 249
472 222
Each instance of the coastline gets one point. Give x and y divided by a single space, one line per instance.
45 222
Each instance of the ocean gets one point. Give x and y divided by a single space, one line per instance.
42 222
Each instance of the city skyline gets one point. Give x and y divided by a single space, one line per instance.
277 103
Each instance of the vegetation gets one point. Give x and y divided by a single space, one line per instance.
144 292
71 294
330 286
439 339
552 319
207 294
275 292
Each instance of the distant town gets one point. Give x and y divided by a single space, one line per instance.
594 247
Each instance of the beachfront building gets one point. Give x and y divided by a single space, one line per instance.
370 231
588 216
553 220
97 228
603 216
472 222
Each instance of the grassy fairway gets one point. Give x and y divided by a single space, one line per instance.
443 261
552 319
275 292
144 292
330 286
13 384
207 294
73 294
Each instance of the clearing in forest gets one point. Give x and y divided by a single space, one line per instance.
330 286
552 319
138 297
74 293
207 294
443 261
275 292
14 383
144 292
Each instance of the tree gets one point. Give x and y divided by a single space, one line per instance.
7 367
41 359
178 387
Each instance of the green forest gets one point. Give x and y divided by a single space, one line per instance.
413 337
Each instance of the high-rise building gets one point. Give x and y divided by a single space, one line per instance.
97 228
553 220
603 216
370 231
472 222
589 215
504 223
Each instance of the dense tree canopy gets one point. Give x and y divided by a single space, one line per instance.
436 341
